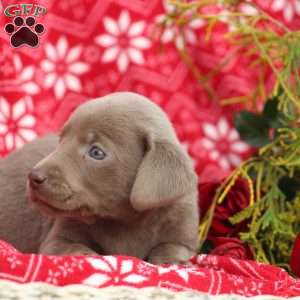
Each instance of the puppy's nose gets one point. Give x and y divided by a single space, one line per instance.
36 177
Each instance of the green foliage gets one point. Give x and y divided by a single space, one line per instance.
206 247
289 186
273 116
274 218
256 128
244 214
253 128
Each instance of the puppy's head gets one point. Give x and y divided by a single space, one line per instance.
117 156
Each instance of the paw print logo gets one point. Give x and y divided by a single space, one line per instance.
24 32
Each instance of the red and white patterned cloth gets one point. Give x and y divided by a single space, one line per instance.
91 48
212 274
94 47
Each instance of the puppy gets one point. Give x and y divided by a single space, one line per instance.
117 182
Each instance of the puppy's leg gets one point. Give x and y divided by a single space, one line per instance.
66 238
170 254
65 247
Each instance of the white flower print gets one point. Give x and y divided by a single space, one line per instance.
184 274
210 261
145 268
63 67
181 273
173 33
53 277
223 143
25 76
112 270
66 268
245 8
77 263
56 259
289 8
17 122
123 41
14 261
248 9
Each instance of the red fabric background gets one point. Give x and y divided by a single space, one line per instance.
37 97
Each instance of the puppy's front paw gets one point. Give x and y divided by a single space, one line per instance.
170 254
84 252
80 250
168 260
63 247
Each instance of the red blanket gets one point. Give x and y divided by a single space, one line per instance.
208 273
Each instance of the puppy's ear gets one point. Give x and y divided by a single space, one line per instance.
164 175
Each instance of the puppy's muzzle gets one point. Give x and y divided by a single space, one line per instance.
37 178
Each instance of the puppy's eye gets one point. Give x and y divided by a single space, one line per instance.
96 153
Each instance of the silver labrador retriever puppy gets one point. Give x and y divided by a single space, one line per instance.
117 182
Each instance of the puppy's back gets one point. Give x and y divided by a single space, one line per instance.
20 222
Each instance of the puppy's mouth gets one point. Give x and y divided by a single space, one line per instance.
81 213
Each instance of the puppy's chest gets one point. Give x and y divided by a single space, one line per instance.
134 240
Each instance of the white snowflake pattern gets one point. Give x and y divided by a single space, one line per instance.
14 261
145 268
25 76
77 263
210 261
245 289
63 67
223 143
66 268
289 8
53 277
180 35
183 273
56 259
112 270
123 41
17 122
